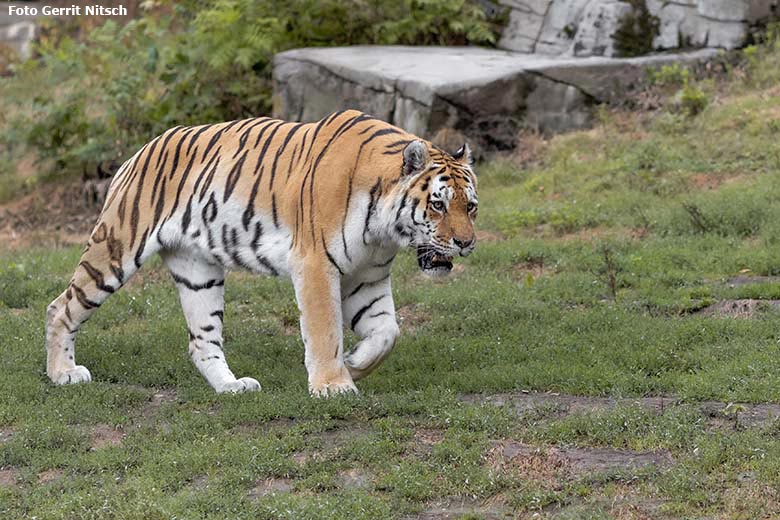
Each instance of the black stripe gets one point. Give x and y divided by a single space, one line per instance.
195 137
274 212
97 276
367 284
158 208
375 193
216 137
256 238
209 213
141 246
210 178
218 314
179 189
363 310
280 150
185 220
265 263
266 144
379 133
233 176
344 221
327 253
82 298
197 287
203 172
134 216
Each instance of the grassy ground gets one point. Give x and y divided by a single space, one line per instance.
579 365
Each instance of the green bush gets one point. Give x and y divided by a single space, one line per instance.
99 98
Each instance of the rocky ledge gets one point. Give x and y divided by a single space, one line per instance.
486 94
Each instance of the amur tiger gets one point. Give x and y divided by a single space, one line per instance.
328 204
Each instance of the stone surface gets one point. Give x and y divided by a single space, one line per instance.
486 94
597 25
586 27
19 36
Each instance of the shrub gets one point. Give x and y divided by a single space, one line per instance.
193 61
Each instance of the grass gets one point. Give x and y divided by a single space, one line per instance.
610 243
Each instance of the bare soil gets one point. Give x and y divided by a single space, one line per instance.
742 308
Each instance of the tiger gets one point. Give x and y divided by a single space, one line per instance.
328 204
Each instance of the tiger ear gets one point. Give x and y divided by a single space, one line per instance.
463 154
415 157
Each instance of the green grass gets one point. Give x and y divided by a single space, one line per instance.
613 241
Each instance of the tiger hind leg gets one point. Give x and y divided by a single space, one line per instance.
102 270
201 288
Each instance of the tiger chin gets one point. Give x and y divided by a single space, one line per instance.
327 204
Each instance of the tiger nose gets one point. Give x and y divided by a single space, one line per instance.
463 244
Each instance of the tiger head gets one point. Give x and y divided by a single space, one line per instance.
438 209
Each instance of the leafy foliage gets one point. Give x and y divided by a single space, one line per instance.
99 98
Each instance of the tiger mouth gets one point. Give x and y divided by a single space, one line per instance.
433 262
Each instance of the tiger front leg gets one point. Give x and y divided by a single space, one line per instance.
317 290
369 311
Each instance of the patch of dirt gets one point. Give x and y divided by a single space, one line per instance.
739 281
550 464
158 399
740 415
53 215
428 436
6 434
563 404
340 435
300 458
270 486
104 435
411 317
50 475
489 236
744 308
278 426
600 233
545 467
531 146
8 477
720 415
354 478
533 269
456 509
200 483
627 504
751 500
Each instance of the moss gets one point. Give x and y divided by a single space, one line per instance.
637 30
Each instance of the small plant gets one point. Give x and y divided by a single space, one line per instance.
637 30
610 270
693 100
673 74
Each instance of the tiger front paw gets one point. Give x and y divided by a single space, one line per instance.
245 384
329 387
72 376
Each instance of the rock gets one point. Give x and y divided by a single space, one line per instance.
561 24
19 36
725 10
597 27
522 31
588 27
486 94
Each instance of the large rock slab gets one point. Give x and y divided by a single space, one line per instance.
487 94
